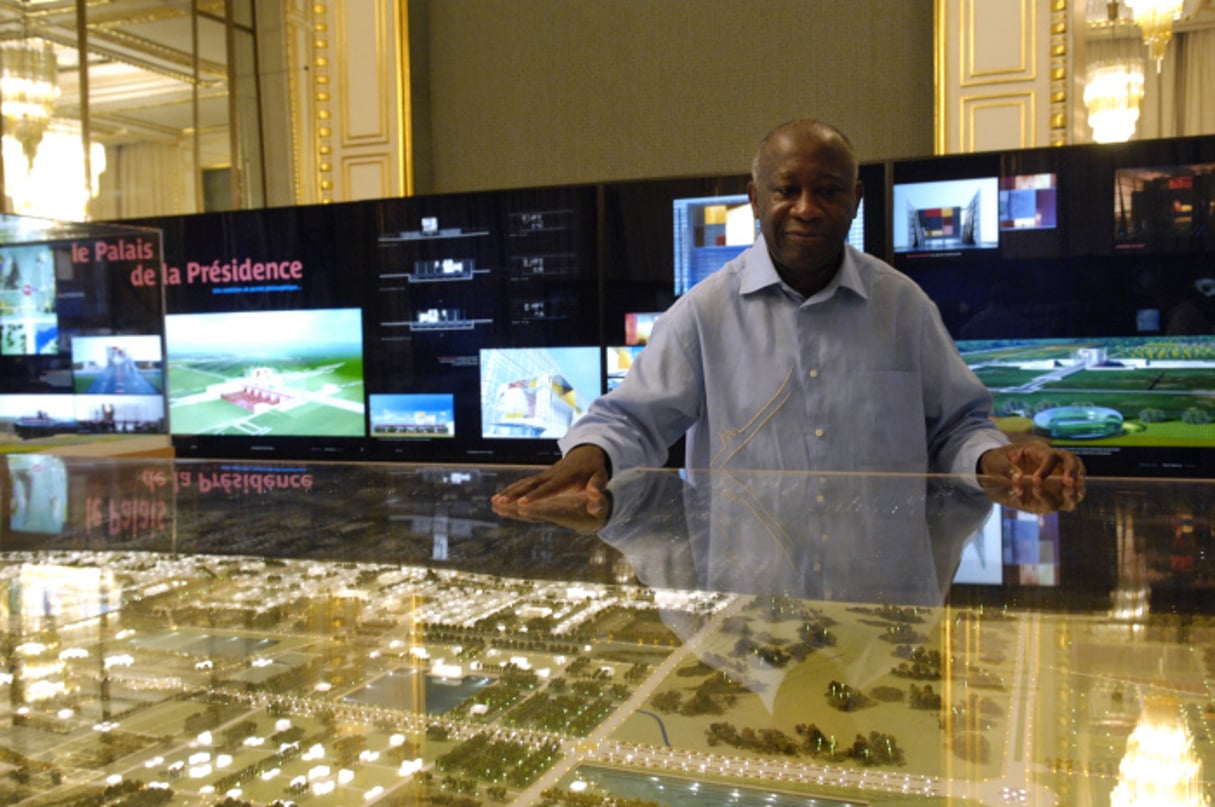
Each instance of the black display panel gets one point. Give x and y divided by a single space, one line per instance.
482 321
1093 319
81 317
476 327
360 330
264 332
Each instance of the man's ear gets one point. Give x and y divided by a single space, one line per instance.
860 194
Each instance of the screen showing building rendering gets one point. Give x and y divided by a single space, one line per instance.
293 373
946 215
534 393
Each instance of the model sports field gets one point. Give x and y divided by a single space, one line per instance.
293 373
1131 391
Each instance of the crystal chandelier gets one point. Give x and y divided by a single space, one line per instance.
29 86
54 185
1112 92
1155 19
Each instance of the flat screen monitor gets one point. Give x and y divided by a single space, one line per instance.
1170 206
1012 548
38 495
266 373
29 321
638 326
946 216
467 292
412 416
537 393
118 365
62 300
1130 402
619 361
1028 202
710 231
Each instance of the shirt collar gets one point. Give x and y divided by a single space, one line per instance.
759 273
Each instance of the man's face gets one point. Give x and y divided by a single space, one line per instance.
805 194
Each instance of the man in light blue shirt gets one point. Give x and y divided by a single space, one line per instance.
801 354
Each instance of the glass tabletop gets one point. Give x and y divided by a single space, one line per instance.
201 632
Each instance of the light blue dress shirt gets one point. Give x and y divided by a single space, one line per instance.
862 376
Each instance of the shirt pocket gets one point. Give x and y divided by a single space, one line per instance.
888 425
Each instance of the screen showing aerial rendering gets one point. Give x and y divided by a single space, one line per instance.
257 373
1123 391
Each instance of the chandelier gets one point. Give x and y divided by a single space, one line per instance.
29 86
1155 19
1112 92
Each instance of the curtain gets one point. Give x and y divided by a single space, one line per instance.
143 180
1196 82
1176 101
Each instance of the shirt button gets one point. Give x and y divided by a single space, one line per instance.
818 432
814 373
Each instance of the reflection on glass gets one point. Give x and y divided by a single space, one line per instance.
199 631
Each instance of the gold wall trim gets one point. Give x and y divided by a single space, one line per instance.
971 31
1060 74
355 182
940 74
294 113
364 109
319 109
1022 102
404 140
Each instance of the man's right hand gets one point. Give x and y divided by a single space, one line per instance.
584 469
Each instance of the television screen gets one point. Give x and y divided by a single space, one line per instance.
713 230
537 393
29 322
117 365
1165 206
619 362
455 278
637 327
412 416
946 216
1102 395
62 297
708 232
982 558
38 496
266 373
1027 202
1012 548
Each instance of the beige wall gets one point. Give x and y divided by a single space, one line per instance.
514 93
